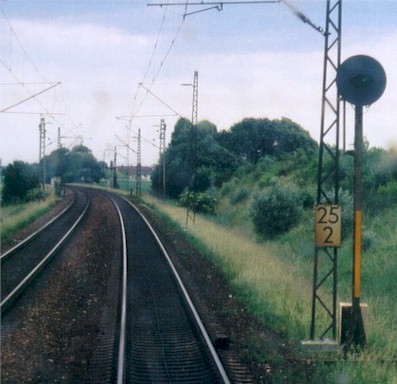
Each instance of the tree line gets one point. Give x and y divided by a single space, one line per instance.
213 157
21 181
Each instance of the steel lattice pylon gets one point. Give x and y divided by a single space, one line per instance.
138 167
162 155
326 258
42 132
191 191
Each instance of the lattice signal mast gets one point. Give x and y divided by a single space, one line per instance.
162 155
326 258
138 166
191 190
42 133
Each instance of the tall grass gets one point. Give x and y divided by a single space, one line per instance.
16 217
274 280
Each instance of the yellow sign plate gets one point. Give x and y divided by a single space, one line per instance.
328 221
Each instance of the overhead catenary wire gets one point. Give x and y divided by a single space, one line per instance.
159 99
30 97
215 3
136 109
26 54
26 85
137 106
219 6
23 84
212 5
9 67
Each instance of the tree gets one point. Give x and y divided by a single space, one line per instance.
276 209
194 148
77 165
19 179
252 138
57 163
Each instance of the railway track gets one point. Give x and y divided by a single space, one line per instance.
148 330
160 338
22 263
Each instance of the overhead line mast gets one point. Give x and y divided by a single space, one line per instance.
326 255
191 188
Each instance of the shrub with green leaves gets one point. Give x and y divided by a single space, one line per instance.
20 182
200 201
276 209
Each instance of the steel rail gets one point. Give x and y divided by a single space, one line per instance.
204 333
33 273
25 241
123 312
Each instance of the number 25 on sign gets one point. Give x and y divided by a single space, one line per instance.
328 225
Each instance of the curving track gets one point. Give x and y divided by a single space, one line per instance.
21 264
161 338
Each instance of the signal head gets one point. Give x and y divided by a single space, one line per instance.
361 80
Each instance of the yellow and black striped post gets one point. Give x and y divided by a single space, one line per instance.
356 335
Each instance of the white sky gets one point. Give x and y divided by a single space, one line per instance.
253 61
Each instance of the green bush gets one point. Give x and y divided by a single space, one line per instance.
20 182
276 209
200 202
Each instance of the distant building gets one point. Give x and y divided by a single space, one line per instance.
130 171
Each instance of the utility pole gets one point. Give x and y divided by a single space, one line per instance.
42 133
59 143
356 333
327 203
162 155
114 168
191 189
126 143
138 167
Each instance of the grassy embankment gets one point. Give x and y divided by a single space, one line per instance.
16 217
274 280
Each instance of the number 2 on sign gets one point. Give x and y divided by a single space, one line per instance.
328 225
